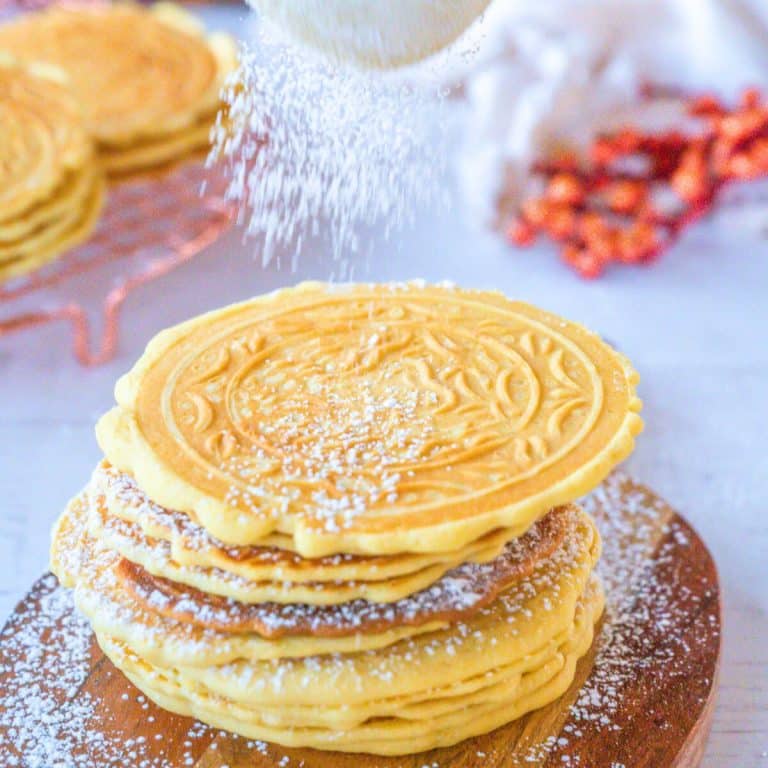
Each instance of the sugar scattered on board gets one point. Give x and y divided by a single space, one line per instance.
46 719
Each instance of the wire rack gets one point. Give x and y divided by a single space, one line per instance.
149 227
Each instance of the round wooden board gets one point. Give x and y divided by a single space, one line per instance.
660 712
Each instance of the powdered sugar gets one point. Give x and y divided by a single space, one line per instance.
46 719
656 629
646 612
349 450
312 146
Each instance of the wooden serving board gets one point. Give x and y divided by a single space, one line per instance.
658 712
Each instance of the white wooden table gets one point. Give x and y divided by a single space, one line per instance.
695 325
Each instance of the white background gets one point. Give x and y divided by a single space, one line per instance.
695 325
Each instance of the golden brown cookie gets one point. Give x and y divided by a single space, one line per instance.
371 419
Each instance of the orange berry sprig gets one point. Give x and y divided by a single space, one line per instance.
638 191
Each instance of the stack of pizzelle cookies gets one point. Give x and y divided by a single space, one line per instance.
51 187
341 516
148 79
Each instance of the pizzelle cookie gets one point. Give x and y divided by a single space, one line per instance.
371 419
162 153
407 693
460 591
148 79
80 563
339 516
164 540
398 726
70 194
43 135
51 188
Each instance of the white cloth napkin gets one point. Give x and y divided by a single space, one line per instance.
552 71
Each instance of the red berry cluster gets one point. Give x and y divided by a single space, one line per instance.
639 190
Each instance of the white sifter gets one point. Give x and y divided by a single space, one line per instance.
373 33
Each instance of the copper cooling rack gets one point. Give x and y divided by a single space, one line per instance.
148 228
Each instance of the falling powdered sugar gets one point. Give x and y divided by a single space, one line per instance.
315 147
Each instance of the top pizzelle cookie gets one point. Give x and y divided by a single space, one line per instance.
372 419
